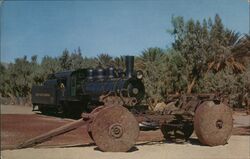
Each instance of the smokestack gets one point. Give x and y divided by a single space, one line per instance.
129 61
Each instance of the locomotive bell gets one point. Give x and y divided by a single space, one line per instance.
129 61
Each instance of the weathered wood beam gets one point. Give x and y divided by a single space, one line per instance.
55 132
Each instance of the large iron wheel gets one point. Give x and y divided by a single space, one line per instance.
93 112
213 123
114 129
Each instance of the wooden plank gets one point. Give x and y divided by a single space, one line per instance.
55 132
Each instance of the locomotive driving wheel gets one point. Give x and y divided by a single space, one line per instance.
114 129
213 123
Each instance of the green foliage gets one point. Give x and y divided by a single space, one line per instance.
204 57
153 62
103 60
207 47
18 76
177 73
65 60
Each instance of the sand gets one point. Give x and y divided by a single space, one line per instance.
238 147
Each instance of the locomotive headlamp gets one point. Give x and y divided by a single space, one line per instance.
139 74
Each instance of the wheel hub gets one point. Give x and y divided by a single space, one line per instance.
135 90
219 124
115 130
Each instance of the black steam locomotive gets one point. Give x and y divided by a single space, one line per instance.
82 90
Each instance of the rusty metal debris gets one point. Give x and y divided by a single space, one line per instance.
177 132
114 127
112 100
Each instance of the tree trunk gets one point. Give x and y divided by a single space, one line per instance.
191 85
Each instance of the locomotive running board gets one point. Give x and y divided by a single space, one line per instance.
55 132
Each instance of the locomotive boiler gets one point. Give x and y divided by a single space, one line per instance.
73 92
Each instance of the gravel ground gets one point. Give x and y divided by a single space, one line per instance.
76 144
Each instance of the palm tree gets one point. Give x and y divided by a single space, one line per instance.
152 63
152 54
103 59
119 62
227 55
149 55
231 56
241 50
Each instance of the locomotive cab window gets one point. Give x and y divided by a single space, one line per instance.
62 83
80 78
62 86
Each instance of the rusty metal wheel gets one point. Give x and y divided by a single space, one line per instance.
167 132
94 112
115 129
177 134
213 123
97 109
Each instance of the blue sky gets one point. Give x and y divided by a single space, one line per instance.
115 27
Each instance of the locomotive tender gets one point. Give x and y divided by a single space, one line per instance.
74 92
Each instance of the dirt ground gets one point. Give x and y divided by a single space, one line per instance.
16 127
13 109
